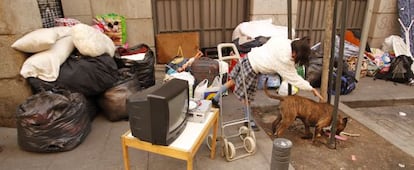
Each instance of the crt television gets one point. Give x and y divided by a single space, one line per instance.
159 114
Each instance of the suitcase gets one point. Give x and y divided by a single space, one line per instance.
204 68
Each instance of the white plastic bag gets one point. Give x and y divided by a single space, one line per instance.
283 89
212 90
186 76
200 89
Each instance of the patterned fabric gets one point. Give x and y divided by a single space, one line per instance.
250 77
406 14
67 22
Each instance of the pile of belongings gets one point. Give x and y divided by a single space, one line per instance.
394 62
76 72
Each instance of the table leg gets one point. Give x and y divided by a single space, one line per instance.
125 154
213 142
190 164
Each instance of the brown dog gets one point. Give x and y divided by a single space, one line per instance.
310 112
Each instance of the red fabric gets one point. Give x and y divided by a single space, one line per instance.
350 37
124 51
67 22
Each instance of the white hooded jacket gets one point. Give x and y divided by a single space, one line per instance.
275 56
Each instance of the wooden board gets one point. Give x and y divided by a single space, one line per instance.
167 45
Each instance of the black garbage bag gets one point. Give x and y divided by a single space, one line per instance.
90 76
143 68
113 101
314 70
53 121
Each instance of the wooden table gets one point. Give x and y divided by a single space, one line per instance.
184 147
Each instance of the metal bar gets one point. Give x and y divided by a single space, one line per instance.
202 31
247 8
289 35
333 42
223 21
289 6
155 15
311 18
332 143
179 16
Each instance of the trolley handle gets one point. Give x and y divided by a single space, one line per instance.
227 45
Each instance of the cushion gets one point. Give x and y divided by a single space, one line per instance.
91 42
45 65
61 31
36 41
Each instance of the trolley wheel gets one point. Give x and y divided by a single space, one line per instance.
251 134
224 149
230 151
249 144
243 132
209 141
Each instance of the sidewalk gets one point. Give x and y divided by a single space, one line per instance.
101 150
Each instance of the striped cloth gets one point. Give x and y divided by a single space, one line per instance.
250 77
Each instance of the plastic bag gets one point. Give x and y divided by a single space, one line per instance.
53 121
113 101
144 69
200 89
283 89
185 76
212 90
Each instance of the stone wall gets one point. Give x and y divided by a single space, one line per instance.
17 17
274 9
384 22
138 14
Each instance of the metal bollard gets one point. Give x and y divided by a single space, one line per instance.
280 154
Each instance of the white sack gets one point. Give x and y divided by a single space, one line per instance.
45 65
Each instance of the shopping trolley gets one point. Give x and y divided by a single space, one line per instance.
245 133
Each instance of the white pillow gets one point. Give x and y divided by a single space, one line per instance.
61 31
36 41
45 65
91 42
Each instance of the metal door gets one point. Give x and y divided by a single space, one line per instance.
213 19
311 17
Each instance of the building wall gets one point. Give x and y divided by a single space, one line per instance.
17 17
138 14
274 9
140 28
384 22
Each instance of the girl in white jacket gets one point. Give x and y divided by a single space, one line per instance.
277 55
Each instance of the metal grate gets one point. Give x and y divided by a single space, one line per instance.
311 17
214 19
49 10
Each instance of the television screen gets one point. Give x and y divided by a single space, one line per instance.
159 114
